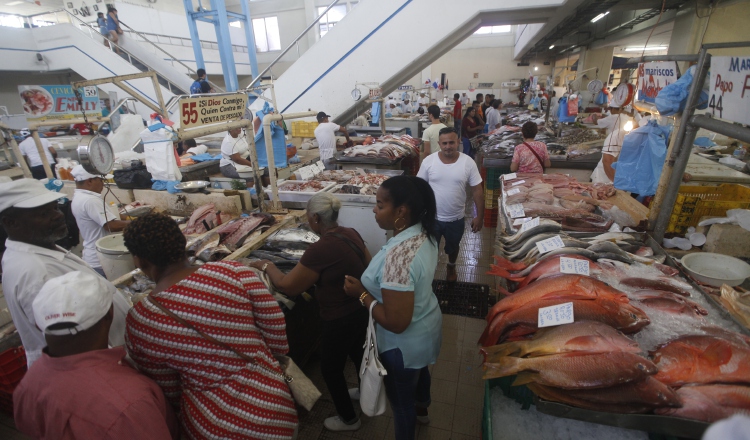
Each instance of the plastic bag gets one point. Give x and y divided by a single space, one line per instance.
278 141
672 98
601 98
562 111
573 105
641 159
160 156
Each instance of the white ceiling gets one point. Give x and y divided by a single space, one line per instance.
30 7
661 37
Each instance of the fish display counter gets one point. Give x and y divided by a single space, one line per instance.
605 328
386 152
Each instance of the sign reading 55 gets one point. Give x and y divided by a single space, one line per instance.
189 113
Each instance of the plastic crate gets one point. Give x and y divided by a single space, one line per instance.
490 218
493 177
304 129
694 202
12 366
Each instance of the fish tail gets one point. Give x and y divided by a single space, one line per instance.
494 353
499 271
507 264
505 366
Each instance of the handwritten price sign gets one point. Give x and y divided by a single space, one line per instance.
550 244
574 266
513 192
510 176
729 95
516 211
520 221
555 315
533 223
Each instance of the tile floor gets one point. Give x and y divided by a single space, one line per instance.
457 385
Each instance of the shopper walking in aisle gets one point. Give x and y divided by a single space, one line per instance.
325 133
80 388
493 116
469 129
531 156
449 172
399 279
188 333
30 215
34 159
432 133
95 219
339 252
457 115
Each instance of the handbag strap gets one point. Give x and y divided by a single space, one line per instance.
354 247
541 162
160 306
371 341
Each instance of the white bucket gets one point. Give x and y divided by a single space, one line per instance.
114 256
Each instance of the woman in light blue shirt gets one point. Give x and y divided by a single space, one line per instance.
399 278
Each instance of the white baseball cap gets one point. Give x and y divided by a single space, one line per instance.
26 193
80 174
77 297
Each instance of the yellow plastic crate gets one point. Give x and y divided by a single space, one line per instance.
304 129
694 202
490 197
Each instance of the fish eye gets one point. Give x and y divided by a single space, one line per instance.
632 315
641 367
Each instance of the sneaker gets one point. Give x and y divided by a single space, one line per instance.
451 276
354 393
336 424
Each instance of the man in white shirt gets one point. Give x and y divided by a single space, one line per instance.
95 219
423 100
432 133
393 109
34 160
465 100
615 124
325 134
493 115
406 107
30 216
449 172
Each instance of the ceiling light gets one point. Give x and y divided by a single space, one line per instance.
536 68
636 49
599 17
552 47
13 3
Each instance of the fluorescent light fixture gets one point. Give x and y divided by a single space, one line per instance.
636 49
536 68
13 3
552 47
599 17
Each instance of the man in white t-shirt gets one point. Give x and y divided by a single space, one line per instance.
325 133
423 100
95 220
34 160
432 133
615 125
493 115
465 100
449 172
406 107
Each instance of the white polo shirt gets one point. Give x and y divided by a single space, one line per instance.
28 149
91 215
25 270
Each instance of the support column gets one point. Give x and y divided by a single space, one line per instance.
686 34
250 38
600 59
221 25
194 37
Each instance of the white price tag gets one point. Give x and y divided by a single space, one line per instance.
555 315
574 266
306 173
520 221
533 223
510 176
319 166
513 191
311 237
520 182
550 244
361 172
516 211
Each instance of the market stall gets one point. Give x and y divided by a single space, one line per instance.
386 152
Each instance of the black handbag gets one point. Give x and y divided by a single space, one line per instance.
135 177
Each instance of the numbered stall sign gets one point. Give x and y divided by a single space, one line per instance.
729 94
206 110
555 315
574 266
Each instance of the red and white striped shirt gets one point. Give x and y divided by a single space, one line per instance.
219 394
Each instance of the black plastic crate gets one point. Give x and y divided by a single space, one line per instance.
463 299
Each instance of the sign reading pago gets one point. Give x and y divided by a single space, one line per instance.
198 111
729 93
652 77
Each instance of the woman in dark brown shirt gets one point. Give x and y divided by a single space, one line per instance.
339 252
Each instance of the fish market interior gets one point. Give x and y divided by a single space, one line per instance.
375 219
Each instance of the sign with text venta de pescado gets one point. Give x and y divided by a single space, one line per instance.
41 103
199 111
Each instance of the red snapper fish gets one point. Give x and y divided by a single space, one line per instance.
698 359
710 403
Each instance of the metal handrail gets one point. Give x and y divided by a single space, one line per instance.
293 43
235 47
171 57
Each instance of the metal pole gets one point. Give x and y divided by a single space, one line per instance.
726 128
221 25
250 38
42 155
648 59
666 173
17 152
683 147
194 37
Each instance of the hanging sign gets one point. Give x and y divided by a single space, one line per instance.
406 87
199 111
652 77
374 93
729 93
58 102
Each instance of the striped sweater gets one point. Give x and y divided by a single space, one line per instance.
219 394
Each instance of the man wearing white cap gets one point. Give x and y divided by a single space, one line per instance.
79 388
30 216
95 219
423 100
615 124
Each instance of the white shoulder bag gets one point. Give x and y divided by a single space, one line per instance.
371 387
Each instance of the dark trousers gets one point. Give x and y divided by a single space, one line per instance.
406 388
38 173
342 338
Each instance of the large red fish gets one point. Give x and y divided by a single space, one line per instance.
542 269
669 302
710 403
698 359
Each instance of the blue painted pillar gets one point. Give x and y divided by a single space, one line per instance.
250 37
221 24
193 27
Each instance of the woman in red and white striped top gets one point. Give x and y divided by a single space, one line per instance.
218 394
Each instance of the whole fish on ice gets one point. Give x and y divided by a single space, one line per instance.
710 403
699 359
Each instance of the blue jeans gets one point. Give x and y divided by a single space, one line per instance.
457 126
453 233
406 388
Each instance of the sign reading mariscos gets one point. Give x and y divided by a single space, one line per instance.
652 77
41 103
199 111
729 93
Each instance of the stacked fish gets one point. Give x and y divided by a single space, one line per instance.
222 241
205 219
